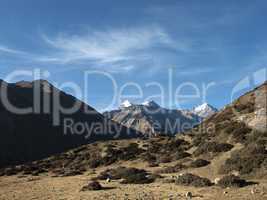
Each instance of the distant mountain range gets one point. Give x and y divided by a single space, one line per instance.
151 119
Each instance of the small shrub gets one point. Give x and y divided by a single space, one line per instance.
94 163
244 108
231 181
199 163
245 160
225 115
193 180
181 155
146 146
130 152
129 175
175 145
153 164
238 130
172 169
9 171
164 159
239 134
212 147
94 185
231 127
139 178
199 139
257 137
149 157
154 147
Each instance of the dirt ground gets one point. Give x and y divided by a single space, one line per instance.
69 188
46 187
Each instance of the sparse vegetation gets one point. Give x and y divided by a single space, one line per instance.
212 147
94 185
199 163
149 157
244 108
231 181
193 180
129 175
246 160
257 137
238 130
171 169
130 152
164 159
181 155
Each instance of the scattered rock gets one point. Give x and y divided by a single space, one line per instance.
188 195
216 181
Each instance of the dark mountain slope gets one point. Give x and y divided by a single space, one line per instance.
27 137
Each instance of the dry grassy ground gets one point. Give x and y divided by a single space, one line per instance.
68 188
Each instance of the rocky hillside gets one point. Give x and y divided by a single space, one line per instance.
243 123
224 157
31 136
226 143
151 119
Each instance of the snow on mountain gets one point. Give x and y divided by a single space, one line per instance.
205 110
150 104
126 104
152 119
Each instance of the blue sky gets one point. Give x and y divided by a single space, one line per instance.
138 42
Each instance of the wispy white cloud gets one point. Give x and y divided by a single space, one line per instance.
197 71
8 50
115 49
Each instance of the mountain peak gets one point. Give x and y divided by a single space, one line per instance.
126 104
204 110
202 106
150 103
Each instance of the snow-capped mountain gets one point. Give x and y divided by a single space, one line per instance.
126 104
150 104
152 119
205 110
